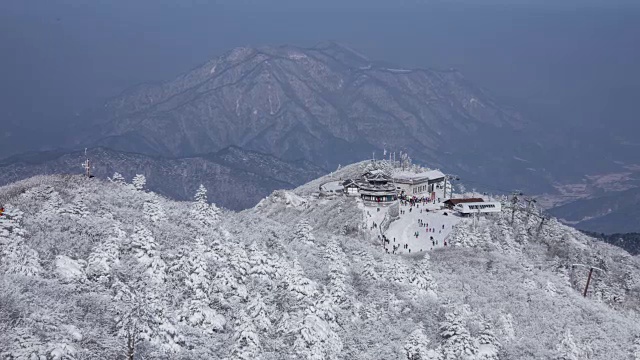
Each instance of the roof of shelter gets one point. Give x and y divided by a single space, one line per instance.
458 201
349 182
411 176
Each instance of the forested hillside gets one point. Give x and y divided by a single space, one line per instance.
97 269
628 241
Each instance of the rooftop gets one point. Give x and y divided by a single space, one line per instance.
408 175
459 201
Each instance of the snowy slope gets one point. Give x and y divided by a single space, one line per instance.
92 269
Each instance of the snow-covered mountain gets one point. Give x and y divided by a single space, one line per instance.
325 104
97 269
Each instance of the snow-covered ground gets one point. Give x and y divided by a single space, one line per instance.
403 229
333 186
297 278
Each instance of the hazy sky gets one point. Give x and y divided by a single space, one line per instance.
579 58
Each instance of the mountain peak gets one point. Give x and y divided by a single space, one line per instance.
327 104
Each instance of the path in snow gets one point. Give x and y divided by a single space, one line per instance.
403 229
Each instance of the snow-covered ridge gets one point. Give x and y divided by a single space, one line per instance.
101 269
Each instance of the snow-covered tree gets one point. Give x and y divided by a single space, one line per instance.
369 270
397 271
463 235
246 339
261 269
203 212
420 276
144 247
316 340
139 182
16 257
105 256
259 313
28 344
489 346
153 210
303 232
635 351
405 161
117 178
458 344
298 286
416 347
567 349
76 208
506 327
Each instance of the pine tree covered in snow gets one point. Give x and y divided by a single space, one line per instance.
76 208
369 270
105 256
139 182
635 351
489 345
153 210
298 286
315 339
203 212
567 349
303 232
118 178
417 346
145 248
262 269
421 278
457 341
246 339
16 256
259 313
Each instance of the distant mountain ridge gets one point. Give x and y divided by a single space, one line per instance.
236 178
327 104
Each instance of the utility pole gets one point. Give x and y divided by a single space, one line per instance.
591 268
514 203
542 220
529 202
87 165
588 281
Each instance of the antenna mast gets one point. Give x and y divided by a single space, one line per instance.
87 165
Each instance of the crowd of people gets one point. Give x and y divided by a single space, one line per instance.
413 204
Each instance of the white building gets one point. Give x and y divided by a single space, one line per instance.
470 208
351 188
427 183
